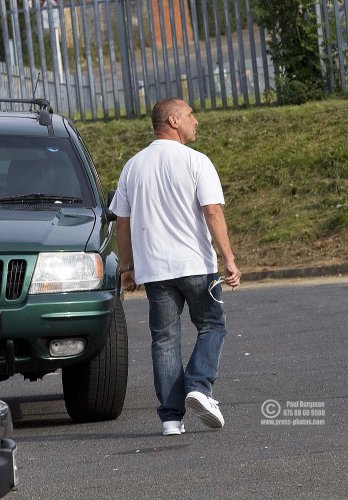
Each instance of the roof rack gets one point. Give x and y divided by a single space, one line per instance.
42 103
45 111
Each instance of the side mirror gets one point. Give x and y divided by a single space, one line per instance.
111 194
110 216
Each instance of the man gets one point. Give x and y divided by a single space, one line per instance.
168 206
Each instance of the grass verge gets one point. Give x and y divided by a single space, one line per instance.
284 171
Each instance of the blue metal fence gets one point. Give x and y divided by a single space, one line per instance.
109 58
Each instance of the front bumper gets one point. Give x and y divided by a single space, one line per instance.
27 329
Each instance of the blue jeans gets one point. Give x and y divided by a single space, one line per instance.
166 300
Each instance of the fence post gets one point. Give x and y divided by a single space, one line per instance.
340 47
40 37
132 59
220 70
156 74
175 51
29 44
88 54
125 63
320 37
253 52
208 52
276 73
162 22
111 43
67 75
18 47
200 69
231 54
54 40
346 15
100 58
146 96
330 70
264 58
6 40
243 79
187 53
79 79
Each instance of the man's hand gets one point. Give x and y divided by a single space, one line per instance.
124 244
232 275
127 282
216 223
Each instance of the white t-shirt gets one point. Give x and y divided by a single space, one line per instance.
162 190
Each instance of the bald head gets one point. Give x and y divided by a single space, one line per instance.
172 119
163 109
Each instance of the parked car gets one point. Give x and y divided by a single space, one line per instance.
60 300
8 452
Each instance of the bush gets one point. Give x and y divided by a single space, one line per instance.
293 47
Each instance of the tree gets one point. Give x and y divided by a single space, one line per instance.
293 46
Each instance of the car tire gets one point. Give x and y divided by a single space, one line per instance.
95 390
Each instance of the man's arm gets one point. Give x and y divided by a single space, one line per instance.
217 226
125 253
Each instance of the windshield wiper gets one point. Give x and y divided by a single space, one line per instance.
41 198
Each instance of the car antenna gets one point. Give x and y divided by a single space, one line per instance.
37 81
45 110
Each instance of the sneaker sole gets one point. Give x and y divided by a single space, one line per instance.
204 415
175 432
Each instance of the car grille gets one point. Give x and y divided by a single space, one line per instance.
15 278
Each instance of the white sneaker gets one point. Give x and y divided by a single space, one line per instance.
172 427
206 409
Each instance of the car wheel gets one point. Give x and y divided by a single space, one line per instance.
95 390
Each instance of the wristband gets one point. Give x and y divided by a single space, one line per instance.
126 269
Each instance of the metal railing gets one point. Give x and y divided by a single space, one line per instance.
108 58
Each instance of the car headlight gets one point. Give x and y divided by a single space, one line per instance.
67 272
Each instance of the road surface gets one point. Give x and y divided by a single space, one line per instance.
285 359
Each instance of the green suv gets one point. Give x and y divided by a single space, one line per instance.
60 300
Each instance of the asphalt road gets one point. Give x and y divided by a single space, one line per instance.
287 347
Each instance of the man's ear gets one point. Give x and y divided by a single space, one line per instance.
173 122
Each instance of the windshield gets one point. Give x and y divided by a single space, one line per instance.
44 168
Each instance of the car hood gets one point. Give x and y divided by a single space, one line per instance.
68 229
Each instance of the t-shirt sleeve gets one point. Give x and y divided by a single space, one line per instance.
120 204
209 190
